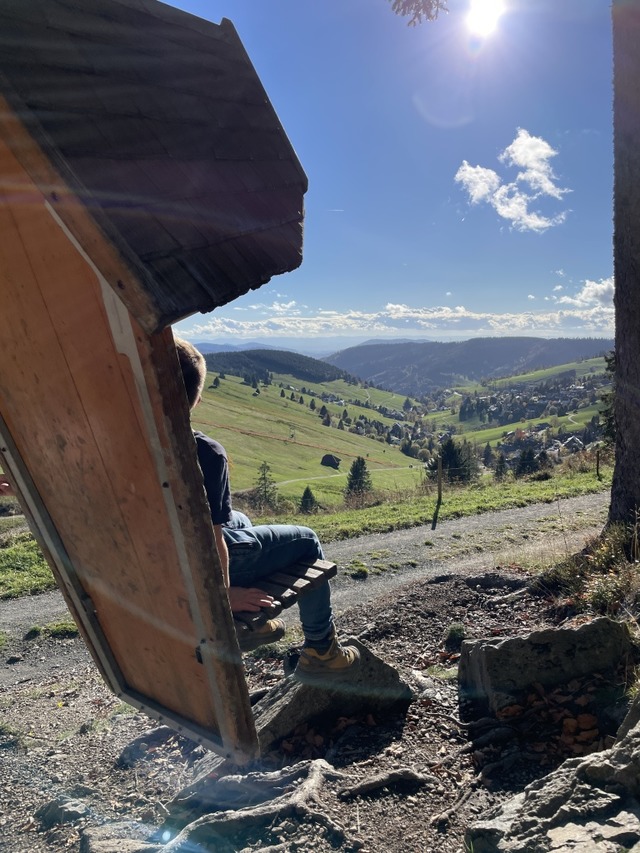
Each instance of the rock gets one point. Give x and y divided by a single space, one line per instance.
631 720
374 688
61 810
493 671
124 837
590 805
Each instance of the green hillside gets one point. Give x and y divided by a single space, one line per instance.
579 369
417 368
282 419
265 426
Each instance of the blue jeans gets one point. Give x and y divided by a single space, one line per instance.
238 519
255 552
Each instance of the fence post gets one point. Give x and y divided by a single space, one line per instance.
434 520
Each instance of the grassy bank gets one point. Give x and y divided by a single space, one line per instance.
457 501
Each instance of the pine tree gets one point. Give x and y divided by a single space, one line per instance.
308 502
607 400
358 479
500 471
527 463
458 460
266 491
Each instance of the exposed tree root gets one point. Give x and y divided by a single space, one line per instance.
257 799
383 780
445 816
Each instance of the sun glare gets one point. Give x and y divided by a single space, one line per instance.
483 16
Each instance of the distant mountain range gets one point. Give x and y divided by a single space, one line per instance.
417 368
313 347
206 346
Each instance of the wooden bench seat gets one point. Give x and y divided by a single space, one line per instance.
286 586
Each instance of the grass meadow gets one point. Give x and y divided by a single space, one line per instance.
290 437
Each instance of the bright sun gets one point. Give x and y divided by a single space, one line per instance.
483 16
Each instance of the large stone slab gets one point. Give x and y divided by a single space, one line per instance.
588 805
375 687
494 671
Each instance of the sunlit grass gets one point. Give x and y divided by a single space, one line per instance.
23 569
457 502
604 577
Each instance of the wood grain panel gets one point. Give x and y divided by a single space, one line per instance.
112 458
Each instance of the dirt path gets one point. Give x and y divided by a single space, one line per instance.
527 536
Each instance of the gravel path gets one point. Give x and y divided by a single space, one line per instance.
526 536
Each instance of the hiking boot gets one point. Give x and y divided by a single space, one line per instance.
250 638
336 663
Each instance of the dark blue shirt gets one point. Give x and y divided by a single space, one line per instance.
215 470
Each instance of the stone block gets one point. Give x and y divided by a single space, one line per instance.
493 672
375 687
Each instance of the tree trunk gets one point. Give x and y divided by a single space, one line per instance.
625 490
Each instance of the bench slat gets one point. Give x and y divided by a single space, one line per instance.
320 571
296 584
287 597
286 586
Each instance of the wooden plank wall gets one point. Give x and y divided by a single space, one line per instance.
101 443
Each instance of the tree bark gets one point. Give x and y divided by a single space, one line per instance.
625 489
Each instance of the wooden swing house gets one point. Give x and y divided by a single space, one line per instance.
144 176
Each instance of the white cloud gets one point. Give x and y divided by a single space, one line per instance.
590 313
532 154
592 293
558 287
512 200
479 182
531 296
284 307
275 307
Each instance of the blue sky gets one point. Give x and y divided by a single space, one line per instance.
459 186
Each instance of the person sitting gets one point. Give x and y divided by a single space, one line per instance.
248 553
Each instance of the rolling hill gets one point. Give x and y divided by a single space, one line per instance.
259 362
417 368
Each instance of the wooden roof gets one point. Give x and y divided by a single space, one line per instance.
156 123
